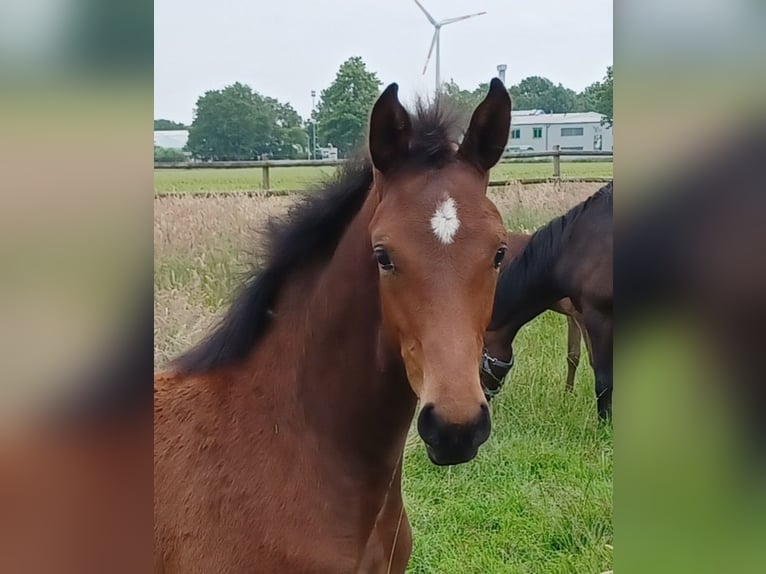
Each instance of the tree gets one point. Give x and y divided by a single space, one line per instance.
604 97
463 100
538 93
598 98
167 125
585 101
290 131
343 108
238 123
164 154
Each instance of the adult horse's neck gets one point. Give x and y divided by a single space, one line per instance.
335 371
529 285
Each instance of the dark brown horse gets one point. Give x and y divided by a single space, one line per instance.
494 371
279 440
570 258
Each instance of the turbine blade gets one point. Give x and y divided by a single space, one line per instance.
459 18
430 18
430 51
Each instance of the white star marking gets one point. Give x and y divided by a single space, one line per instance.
444 221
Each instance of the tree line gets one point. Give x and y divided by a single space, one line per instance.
538 93
238 123
168 125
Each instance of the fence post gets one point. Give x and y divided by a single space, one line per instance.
266 182
556 161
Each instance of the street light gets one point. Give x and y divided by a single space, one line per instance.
314 123
313 136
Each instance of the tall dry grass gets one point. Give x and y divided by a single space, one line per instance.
527 207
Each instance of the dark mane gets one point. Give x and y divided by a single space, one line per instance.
310 233
527 272
437 129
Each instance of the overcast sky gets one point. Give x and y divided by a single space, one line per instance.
286 48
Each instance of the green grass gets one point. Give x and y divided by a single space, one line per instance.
300 178
246 179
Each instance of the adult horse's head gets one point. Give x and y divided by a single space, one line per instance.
439 241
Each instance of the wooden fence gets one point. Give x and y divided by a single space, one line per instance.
266 165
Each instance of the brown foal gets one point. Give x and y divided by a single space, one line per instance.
279 440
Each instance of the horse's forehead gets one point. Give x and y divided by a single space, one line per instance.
443 192
449 222
438 208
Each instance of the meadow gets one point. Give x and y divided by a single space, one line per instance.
302 178
537 499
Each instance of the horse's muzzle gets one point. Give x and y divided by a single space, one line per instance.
448 444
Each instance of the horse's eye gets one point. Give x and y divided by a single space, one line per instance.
499 255
383 259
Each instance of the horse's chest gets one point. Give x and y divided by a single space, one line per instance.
305 522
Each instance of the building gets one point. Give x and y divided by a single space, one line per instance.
329 152
534 130
171 139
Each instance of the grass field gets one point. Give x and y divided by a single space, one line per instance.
299 178
537 499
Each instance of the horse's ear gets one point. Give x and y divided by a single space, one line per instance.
390 130
487 135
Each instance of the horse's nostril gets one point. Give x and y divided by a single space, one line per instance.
483 426
428 427
427 413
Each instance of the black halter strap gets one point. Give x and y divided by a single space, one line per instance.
488 362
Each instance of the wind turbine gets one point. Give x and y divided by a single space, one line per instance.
436 39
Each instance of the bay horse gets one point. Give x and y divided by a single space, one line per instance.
570 258
279 439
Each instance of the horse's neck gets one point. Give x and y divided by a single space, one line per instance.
529 286
351 386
